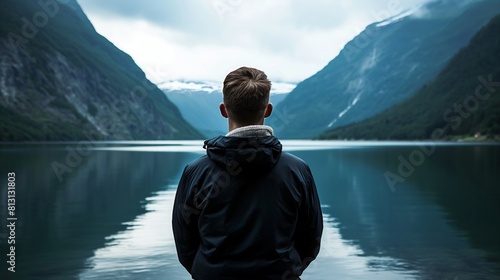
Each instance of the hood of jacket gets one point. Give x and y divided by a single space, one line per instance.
244 155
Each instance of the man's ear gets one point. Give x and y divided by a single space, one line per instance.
269 110
223 110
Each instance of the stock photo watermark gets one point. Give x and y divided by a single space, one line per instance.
11 221
283 118
453 116
363 40
31 26
76 155
222 179
222 7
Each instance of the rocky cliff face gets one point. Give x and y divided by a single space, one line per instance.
60 80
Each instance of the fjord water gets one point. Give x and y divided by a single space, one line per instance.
109 216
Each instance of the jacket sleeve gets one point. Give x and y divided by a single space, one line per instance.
310 223
185 222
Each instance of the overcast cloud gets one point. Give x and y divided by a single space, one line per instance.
205 39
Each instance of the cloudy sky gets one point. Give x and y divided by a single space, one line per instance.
205 39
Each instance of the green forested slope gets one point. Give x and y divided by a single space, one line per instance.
463 100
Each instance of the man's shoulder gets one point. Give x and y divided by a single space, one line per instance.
293 160
293 167
201 162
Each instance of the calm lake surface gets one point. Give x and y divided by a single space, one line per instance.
392 210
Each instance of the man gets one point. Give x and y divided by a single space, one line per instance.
246 210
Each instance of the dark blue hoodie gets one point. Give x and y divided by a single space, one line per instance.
247 210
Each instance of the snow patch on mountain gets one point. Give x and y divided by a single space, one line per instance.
397 18
282 88
190 86
209 86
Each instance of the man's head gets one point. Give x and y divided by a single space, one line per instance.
246 96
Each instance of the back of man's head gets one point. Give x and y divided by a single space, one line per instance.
246 94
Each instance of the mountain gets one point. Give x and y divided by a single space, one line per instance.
199 103
382 66
464 99
61 80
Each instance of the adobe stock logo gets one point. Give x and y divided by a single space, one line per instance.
454 118
30 27
119 109
222 7
366 37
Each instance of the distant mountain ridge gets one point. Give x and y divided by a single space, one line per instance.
60 80
463 100
382 66
199 103
210 86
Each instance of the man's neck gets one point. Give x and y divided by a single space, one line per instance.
251 130
235 125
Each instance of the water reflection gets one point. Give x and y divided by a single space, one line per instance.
144 251
110 217
342 259
417 223
61 224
